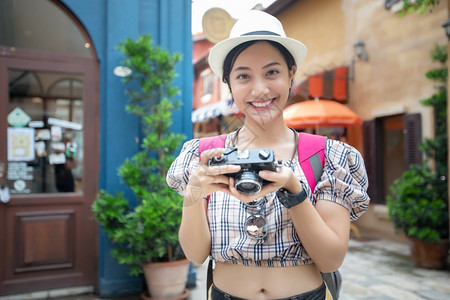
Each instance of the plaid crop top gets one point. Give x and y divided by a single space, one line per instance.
344 181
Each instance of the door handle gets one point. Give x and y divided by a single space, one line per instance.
4 190
4 194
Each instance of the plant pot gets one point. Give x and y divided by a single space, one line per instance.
429 255
166 280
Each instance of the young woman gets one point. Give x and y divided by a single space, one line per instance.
283 252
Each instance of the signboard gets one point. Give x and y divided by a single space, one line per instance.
20 144
18 118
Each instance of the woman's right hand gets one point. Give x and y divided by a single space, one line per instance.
209 179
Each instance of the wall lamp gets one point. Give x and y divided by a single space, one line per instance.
361 53
446 26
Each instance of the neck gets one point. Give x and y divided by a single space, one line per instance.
254 135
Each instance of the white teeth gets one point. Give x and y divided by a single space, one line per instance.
262 104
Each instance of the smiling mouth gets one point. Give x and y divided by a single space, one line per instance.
262 104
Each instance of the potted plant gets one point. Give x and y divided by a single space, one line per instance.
418 204
416 207
146 234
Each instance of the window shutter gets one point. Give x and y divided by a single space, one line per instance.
370 159
328 79
340 84
316 85
413 135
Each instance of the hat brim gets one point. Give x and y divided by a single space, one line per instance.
219 52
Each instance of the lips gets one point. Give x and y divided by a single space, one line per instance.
263 104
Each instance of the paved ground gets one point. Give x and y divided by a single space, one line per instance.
378 270
375 269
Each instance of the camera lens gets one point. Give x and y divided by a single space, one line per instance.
248 183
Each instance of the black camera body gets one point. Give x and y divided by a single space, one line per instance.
247 180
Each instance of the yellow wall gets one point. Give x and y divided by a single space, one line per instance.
392 81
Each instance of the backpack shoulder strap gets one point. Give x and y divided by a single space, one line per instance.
311 156
206 144
211 143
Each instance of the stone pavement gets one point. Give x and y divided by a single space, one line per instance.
381 269
375 269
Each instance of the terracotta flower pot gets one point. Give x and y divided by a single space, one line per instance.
145 296
429 255
167 280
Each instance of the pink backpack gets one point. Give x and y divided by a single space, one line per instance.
311 153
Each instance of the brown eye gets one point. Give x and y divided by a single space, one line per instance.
272 72
242 76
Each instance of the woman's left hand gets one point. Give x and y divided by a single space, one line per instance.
283 178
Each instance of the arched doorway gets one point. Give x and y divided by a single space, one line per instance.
48 148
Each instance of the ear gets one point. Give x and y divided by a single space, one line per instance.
292 72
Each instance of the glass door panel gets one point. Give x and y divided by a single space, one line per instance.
45 132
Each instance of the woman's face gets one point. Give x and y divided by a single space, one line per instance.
260 82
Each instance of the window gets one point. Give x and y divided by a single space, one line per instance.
27 24
207 85
46 156
393 150
391 144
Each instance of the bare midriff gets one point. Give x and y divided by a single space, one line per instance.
266 282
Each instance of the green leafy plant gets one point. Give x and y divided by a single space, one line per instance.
419 6
416 207
148 231
418 203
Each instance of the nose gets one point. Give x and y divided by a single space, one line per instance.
260 88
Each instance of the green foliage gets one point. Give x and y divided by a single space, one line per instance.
416 207
419 6
149 231
436 149
418 203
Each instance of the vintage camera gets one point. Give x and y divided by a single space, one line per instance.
247 181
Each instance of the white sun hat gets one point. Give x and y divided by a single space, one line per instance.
254 25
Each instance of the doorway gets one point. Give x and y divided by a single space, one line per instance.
49 150
48 153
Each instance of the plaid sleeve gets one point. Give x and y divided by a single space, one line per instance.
183 166
344 179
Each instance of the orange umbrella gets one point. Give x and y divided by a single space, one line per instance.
315 113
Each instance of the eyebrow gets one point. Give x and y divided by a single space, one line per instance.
265 67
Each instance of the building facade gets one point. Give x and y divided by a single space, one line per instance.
64 132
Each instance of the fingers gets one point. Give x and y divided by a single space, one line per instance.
281 176
210 153
220 170
244 198
217 169
214 178
221 179
209 179
276 181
